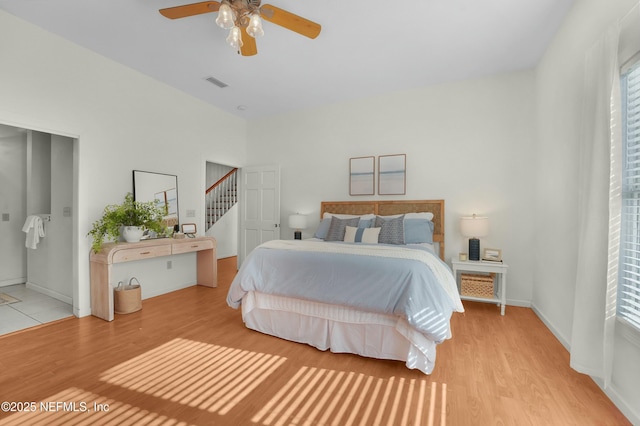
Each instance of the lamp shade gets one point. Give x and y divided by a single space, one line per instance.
474 226
254 29
226 17
235 38
297 221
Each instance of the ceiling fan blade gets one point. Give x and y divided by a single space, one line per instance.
249 47
290 21
190 9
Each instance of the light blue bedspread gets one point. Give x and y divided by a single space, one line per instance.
401 285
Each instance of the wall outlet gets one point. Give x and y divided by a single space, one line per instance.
5 217
66 212
191 213
169 264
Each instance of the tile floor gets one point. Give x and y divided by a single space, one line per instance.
33 309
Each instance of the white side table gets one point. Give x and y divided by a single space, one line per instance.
498 268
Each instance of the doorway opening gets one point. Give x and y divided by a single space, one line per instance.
37 221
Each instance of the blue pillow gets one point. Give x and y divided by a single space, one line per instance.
417 231
323 228
365 223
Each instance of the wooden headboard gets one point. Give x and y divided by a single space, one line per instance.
387 208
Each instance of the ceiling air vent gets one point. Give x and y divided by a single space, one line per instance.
217 82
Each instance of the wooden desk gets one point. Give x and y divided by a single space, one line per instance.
101 264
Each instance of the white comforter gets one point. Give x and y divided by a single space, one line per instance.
409 282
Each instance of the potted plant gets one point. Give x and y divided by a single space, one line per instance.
126 217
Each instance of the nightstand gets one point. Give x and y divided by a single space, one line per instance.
484 267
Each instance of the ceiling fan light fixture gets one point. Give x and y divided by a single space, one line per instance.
235 38
226 16
254 29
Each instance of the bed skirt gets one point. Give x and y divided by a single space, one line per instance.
339 329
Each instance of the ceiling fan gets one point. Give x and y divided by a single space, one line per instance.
243 19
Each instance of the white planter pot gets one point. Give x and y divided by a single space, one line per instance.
132 234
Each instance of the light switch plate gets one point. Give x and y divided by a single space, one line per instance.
5 217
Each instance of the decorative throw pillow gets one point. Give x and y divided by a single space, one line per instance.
361 235
392 231
424 215
323 228
366 223
417 231
338 226
366 220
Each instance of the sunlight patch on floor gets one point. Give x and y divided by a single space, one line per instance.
78 407
327 397
201 375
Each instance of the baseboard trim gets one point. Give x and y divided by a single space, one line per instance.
632 415
519 303
13 281
562 339
50 293
79 313
611 393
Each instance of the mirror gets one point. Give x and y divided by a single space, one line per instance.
158 187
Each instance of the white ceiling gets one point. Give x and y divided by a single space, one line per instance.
365 48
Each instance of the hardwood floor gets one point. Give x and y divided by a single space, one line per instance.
187 358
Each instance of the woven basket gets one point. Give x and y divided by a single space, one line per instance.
476 285
127 298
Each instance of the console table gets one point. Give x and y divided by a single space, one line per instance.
101 264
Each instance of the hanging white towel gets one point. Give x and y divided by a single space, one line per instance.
34 227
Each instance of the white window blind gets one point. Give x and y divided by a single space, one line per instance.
629 283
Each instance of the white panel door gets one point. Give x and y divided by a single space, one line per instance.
259 207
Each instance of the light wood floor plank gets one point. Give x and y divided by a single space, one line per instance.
176 362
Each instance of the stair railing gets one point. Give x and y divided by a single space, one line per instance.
220 197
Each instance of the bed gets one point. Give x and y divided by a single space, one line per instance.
371 282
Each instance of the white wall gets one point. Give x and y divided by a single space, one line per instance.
470 143
50 190
13 165
559 95
123 121
225 231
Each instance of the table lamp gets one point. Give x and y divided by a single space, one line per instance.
474 227
297 222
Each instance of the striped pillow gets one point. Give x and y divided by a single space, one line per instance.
361 235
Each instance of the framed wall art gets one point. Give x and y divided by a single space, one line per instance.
392 174
493 255
362 175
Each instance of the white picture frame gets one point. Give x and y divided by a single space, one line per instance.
392 172
362 175
492 255
189 228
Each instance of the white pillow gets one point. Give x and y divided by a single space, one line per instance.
348 216
423 215
370 235
361 235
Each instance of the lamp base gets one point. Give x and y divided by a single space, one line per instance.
297 235
474 249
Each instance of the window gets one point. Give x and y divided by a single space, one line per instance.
629 282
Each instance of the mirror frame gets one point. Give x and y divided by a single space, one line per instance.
161 189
